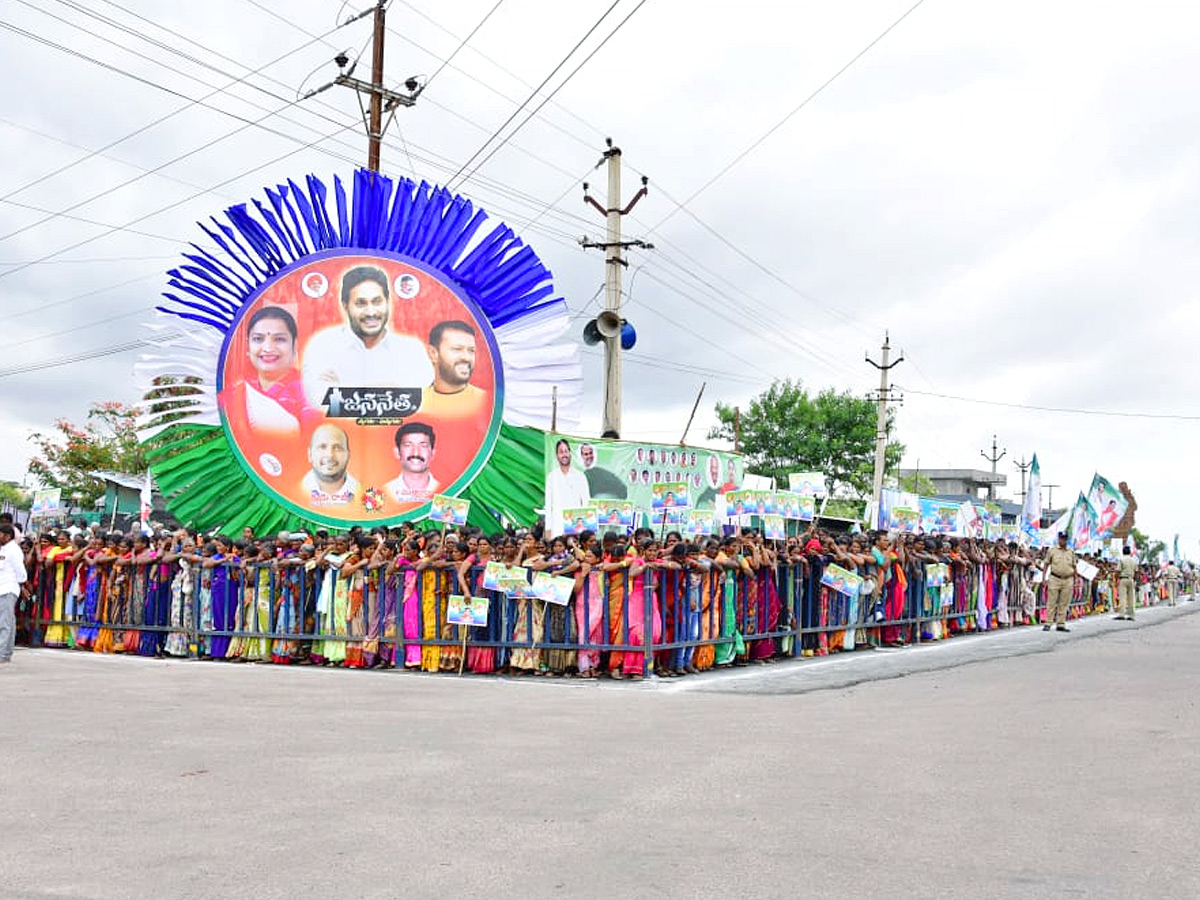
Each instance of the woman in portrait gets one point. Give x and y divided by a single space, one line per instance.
270 397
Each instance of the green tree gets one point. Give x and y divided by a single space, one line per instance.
916 483
1147 547
787 430
11 493
66 455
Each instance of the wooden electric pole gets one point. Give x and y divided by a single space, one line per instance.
380 99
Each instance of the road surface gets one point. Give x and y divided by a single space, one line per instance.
1021 764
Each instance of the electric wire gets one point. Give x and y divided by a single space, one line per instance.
534 94
191 101
1120 414
551 95
787 118
461 44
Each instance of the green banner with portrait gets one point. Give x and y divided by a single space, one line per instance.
582 470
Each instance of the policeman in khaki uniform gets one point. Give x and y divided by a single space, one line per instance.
1172 573
1060 561
1126 592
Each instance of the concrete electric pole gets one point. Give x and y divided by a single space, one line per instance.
1050 495
993 459
882 398
609 322
381 100
1023 466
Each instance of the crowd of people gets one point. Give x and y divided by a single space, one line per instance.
380 597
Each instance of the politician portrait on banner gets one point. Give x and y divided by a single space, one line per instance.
354 387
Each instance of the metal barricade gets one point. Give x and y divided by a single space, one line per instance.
665 620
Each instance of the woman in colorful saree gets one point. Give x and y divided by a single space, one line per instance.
108 596
451 657
560 563
183 586
643 585
354 573
113 640
429 571
889 562
403 569
224 588
332 604
55 571
379 647
254 616
529 624
731 645
289 597
589 613
93 592
481 660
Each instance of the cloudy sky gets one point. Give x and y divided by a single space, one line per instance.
1009 189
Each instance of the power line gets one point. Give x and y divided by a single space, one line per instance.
1058 409
762 267
177 203
550 96
71 360
677 367
803 103
533 95
247 123
191 102
586 142
461 44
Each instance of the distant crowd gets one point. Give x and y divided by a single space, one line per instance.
382 597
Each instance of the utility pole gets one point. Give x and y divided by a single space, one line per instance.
1050 496
1024 467
609 322
695 406
882 398
993 459
381 99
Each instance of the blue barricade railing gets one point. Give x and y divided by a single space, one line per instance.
668 619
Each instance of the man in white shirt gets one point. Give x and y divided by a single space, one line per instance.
12 576
328 483
363 352
7 519
416 444
566 488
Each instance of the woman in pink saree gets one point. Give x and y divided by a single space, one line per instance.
589 614
402 569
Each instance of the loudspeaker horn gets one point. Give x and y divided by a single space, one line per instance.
608 323
591 334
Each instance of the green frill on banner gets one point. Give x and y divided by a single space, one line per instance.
196 470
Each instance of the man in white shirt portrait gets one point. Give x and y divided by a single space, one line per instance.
566 488
363 352
12 576
328 483
416 444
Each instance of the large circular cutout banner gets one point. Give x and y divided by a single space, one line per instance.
355 386
339 353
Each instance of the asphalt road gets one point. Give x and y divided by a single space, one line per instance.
1021 764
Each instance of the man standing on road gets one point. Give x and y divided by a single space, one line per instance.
1171 573
12 576
1126 573
1060 562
